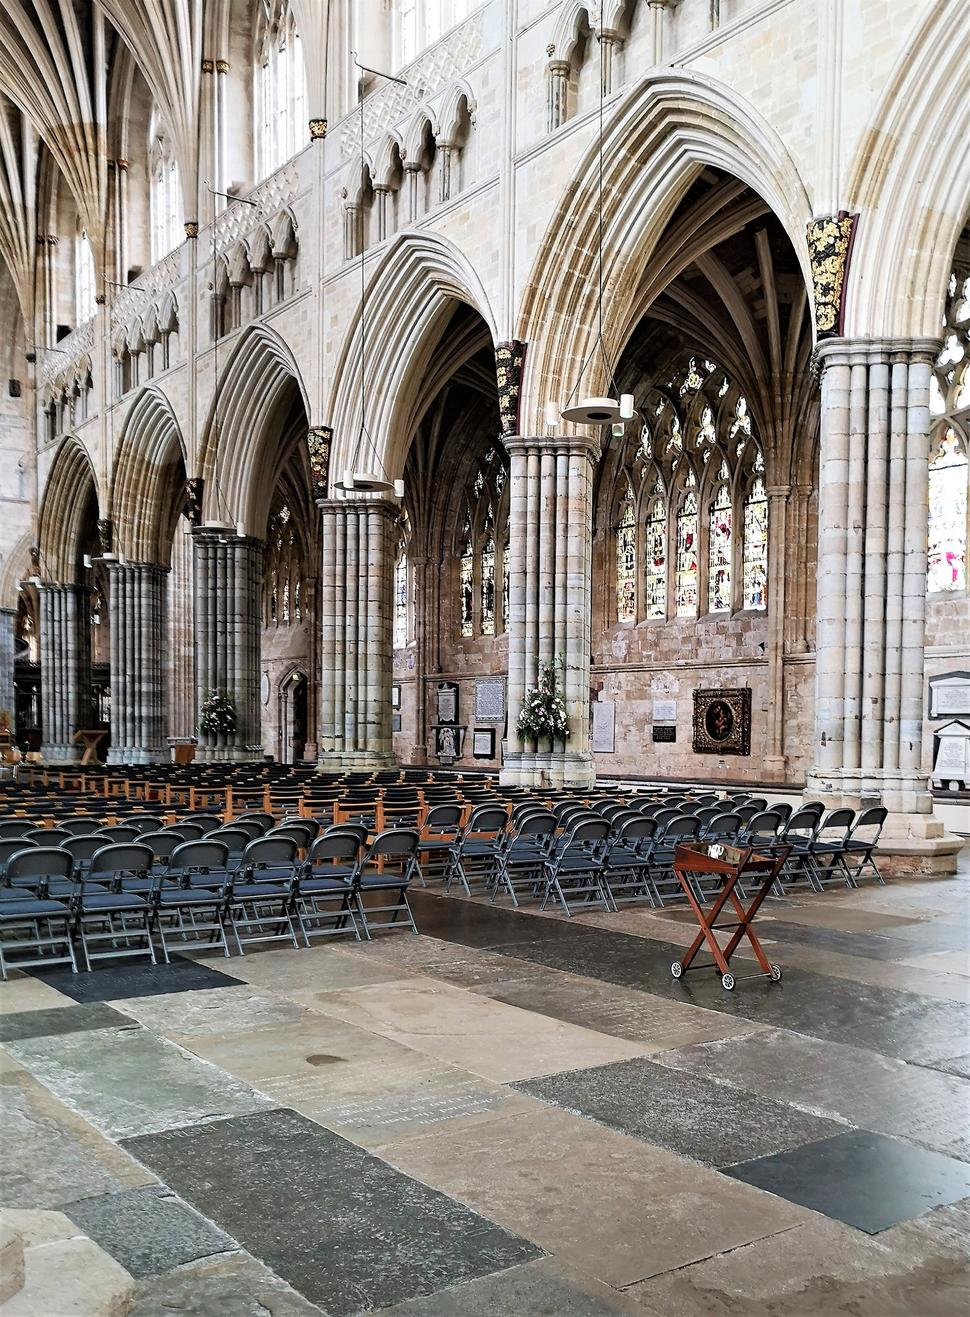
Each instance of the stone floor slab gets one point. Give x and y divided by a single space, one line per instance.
617 1208
148 1231
691 1115
23 993
231 1285
50 1156
318 968
535 1289
111 982
866 1180
342 1227
868 1090
819 1269
128 1081
210 1011
486 1037
58 1020
621 1012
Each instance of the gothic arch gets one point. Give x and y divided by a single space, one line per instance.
238 460
910 181
663 134
69 484
14 565
150 458
411 294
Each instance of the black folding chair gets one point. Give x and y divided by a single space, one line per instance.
81 826
860 845
386 869
47 836
474 855
120 832
828 846
114 903
261 895
207 822
193 896
325 885
523 851
441 827
33 922
575 869
626 873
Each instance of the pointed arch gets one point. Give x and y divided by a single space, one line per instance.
70 485
663 133
242 454
412 293
911 182
146 482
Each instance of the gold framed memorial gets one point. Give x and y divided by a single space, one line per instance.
722 722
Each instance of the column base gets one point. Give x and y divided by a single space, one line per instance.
918 845
61 754
228 754
354 761
550 768
136 754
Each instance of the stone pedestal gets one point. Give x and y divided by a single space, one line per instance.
65 668
228 594
355 634
550 598
873 505
136 604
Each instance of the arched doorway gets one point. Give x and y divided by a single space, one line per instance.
293 718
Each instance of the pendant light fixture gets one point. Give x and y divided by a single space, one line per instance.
364 476
596 410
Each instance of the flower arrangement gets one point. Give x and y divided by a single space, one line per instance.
543 710
217 716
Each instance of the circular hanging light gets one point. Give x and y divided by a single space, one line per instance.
592 411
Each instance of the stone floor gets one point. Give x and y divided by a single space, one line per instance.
509 1115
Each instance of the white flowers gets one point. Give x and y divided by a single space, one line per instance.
217 717
543 711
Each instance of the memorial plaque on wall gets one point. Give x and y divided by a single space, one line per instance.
949 694
490 699
483 743
722 722
395 722
604 727
447 702
664 732
664 711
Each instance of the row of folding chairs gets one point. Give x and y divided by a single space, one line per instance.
125 895
620 855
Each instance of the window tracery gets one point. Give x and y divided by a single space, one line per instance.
284 569
483 549
165 194
949 473
84 277
279 97
421 22
697 452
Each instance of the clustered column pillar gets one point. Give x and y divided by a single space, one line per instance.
136 604
355 650
871 621
228 590
65 667
550 598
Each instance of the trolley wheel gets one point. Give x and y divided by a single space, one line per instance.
727 981
676 969
775 973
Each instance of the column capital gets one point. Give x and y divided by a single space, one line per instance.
778 491
358 504
870 351
554 444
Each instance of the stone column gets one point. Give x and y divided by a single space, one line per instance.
412 188
550 597
352 242
777 604
8 624
610 43
447 156
557 93
65 668
871 612
136 606
382 200
228 592
356 640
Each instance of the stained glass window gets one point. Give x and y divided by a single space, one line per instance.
686 582
466 577
401 601
947 562
656 554
506 586
285 606
488 580
719 553
706 434
626 560
756 547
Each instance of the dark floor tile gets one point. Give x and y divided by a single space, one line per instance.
532 1290
870 946
61 1019
149 1231
341 1226
901 1024
867 1180
687 1114
475 925
111 983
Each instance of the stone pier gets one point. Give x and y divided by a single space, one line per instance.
65 663
136 604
